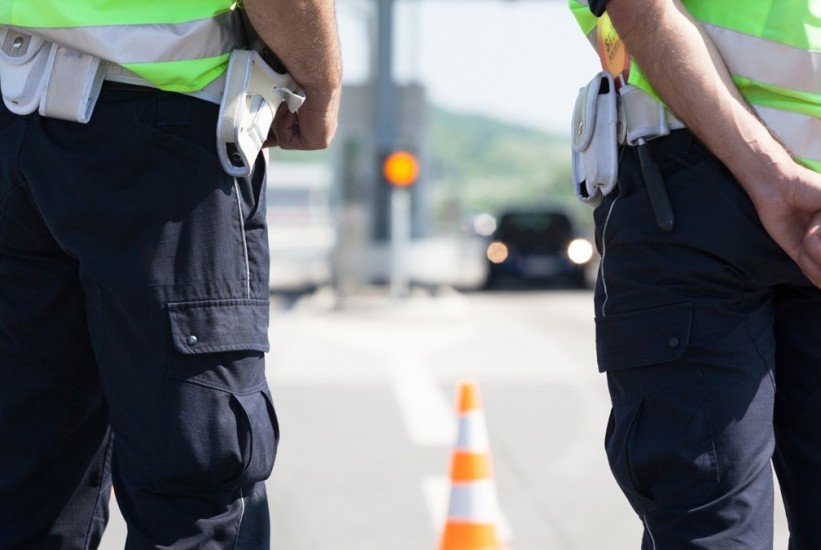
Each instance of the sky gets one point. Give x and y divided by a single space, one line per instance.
521 61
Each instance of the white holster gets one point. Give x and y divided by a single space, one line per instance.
39 75
253 93
594 140
605 118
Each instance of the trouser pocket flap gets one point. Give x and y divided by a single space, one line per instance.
642 338
210 326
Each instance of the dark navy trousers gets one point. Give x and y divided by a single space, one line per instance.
133 326
711 340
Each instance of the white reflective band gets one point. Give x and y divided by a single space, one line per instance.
124 44
472 432
211 93
475 502
767 61
801 134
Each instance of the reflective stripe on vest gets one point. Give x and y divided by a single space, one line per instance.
586 20
766 61
180 56
802 128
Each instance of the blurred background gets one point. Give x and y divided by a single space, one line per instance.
473 262
480 92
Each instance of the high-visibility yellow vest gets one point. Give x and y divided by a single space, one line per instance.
178 46
773 52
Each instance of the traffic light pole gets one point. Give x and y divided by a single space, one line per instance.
384 86
386 133
400 242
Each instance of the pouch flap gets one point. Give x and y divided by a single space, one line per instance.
219 325
643 338
584 111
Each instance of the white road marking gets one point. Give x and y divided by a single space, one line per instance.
428 415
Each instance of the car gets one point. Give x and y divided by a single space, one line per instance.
537 246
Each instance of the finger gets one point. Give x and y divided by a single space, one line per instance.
271 140
284 127
809 256
810 268
304 130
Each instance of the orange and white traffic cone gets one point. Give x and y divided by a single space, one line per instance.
473 509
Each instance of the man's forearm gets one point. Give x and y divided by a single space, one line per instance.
303 34
685 69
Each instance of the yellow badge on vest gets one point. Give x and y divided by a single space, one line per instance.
612 51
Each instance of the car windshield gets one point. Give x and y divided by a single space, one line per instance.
534 227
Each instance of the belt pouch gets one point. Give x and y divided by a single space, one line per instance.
23 67
72 84
645 117
594 140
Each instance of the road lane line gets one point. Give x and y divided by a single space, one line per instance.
427 414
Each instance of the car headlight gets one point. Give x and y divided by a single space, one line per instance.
497 252
580 251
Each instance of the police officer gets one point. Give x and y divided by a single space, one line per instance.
133 269
708 328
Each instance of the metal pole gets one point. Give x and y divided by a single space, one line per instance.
384 86
385 116
394 203
400 242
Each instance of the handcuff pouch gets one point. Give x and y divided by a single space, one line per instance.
36 74
72 84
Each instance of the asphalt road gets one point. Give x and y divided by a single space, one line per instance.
365 393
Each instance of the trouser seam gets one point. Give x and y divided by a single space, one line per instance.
603 254
244 242
99 500
241 517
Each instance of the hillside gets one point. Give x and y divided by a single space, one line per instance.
484 165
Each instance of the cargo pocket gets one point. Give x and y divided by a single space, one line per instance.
221 428
659 439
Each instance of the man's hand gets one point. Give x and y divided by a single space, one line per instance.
791 214
311 127
303 35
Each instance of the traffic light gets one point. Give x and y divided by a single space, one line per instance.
400 168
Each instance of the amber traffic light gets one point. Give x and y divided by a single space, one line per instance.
401 168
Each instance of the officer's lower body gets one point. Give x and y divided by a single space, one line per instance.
711 340
133 326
